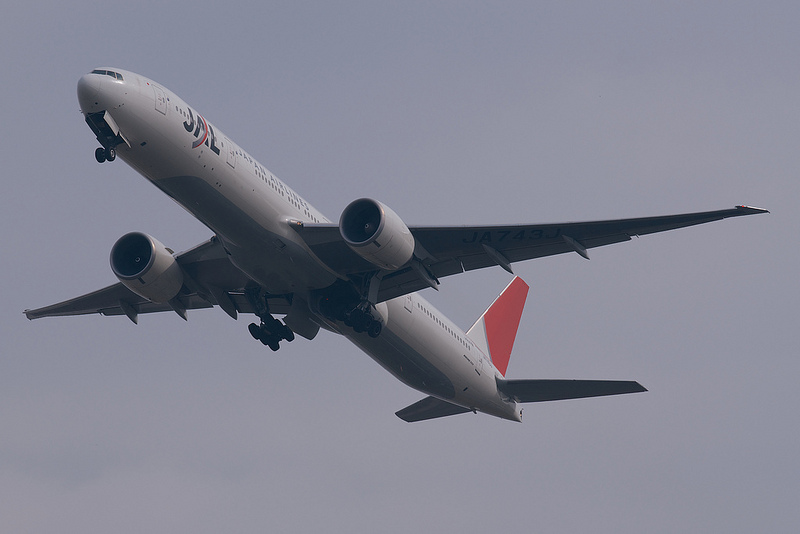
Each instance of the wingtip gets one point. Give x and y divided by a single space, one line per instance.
747 210
34 314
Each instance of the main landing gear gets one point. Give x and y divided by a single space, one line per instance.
105 154
271 331
361 320
359 317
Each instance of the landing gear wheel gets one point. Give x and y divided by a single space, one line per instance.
359 320
374 329
269 340
100 155
254 330
288 335
366 322
111 154
350 318
270 337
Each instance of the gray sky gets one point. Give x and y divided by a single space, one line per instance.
450 113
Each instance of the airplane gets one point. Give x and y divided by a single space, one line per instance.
272 253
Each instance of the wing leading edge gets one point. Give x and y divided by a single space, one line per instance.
446 250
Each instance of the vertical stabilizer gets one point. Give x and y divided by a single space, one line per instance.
495 331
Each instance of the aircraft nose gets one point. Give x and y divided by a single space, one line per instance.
102 89
88 89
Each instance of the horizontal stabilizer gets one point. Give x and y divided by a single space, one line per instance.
429 408
550 390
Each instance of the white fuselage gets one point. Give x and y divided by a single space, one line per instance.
250 211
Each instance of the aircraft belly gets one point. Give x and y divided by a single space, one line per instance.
211 207
407 365
416 353
276 261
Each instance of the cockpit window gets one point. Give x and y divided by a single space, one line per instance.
115 75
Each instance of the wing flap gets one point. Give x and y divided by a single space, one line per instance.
550 390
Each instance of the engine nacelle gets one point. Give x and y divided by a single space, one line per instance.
146 267
377 234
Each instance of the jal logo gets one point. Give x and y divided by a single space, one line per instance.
202 131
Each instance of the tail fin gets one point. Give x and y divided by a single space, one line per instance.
496 329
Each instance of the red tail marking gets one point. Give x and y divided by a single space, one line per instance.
502 320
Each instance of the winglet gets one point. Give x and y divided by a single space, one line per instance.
496 329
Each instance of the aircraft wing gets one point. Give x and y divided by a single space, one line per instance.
440 251
447 250
209 279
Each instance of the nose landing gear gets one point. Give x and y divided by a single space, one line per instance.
105 154
108 135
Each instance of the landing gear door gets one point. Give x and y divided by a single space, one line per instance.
161 100
106 129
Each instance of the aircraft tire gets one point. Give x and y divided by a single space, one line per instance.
254 330
111 154
366 322
354 319
100 155
374 329
288 335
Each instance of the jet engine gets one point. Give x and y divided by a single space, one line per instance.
146 267
377 234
